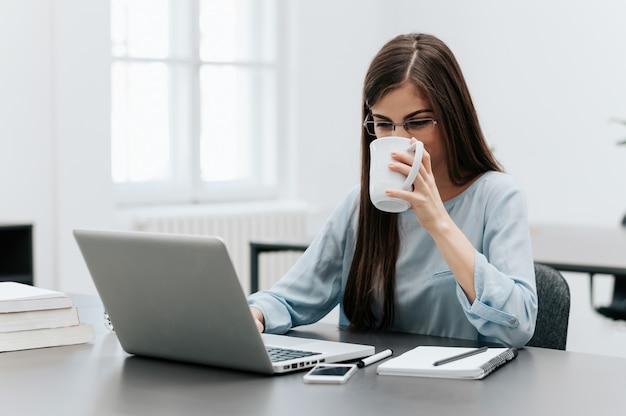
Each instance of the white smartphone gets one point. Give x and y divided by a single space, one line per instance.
330 373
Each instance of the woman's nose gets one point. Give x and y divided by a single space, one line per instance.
400 131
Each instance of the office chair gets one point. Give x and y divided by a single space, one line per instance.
617 308
553 297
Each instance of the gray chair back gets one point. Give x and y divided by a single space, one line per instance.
553 297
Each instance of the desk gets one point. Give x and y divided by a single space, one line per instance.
101 379
591 250
267 246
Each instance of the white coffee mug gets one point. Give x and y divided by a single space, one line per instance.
382 178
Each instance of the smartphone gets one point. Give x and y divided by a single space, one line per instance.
330 373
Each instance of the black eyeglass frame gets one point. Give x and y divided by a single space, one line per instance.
369 125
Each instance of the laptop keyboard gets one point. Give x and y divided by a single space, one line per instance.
283 354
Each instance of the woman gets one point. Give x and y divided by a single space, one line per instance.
459 262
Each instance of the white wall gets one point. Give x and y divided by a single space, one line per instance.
330 55
27 179
54 129
81 110
545 76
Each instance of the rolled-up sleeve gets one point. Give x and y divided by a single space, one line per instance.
505 308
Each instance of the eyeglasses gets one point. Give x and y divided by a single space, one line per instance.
387 128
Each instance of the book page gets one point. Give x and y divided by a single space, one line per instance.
16 291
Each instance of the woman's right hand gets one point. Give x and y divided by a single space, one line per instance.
259 319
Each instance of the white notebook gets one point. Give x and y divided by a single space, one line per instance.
420 362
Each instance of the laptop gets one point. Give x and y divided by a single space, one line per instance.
178 297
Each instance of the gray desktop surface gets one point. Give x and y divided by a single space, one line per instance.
99 378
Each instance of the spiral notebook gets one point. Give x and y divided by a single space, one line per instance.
420 362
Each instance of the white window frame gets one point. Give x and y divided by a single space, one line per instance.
188 187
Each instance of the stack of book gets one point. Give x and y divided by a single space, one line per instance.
32 317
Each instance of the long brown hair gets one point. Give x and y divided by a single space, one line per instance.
425 61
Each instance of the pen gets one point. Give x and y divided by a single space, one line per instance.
460 356
373 358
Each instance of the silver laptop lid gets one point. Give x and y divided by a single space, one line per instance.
175 297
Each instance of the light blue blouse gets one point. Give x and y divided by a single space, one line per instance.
493 215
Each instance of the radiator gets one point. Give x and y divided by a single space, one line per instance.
237 227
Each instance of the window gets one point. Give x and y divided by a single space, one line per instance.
193 99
